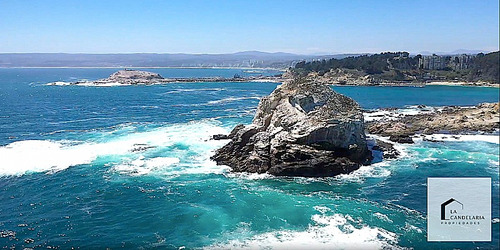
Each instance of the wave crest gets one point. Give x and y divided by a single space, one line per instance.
326 232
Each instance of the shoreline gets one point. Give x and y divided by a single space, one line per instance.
421 84
463 84
481 119
164 81
266 78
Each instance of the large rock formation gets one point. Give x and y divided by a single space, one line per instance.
134 74
303 128
131 77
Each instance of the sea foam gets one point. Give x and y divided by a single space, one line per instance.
451 138
325 232
30 156
393 114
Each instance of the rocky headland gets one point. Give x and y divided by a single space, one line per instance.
344 77
303 128
354 77
483 118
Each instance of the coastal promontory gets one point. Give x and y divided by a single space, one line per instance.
303 128
483 118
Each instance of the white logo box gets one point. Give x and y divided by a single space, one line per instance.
459 209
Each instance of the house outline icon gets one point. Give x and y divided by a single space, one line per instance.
446 203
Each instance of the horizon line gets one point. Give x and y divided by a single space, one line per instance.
468 51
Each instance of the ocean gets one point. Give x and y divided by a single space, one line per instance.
129 167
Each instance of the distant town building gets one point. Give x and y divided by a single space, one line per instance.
460 62
435 62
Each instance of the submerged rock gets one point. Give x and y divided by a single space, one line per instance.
303 128
220 137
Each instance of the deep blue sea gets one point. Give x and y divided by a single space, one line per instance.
128 166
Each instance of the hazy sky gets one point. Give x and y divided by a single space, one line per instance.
314 26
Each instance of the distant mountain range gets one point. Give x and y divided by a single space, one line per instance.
455 52
250 59
253 59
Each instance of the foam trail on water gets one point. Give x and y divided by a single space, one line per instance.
141 166
326 232
232 99
376 170
29 156
37 156
192 90
447 137
393 114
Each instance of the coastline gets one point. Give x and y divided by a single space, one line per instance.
463 84
273 79
423 84
399 126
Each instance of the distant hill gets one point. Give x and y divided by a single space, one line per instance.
255 59
401 67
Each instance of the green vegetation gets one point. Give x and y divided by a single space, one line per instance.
401 67
486 68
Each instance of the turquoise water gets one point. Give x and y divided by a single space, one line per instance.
382 97
129 167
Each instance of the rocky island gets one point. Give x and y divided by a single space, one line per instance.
303 128
139 77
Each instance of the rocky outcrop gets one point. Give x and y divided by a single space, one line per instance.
134 74
484 117
131 77
344 77
303 128
137 77
401 138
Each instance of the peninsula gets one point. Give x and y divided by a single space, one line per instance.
138 77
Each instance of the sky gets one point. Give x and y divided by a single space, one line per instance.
218 26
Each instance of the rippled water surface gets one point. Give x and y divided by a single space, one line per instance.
129 167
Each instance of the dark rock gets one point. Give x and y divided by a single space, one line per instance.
139 147
432 140
389 152
401 138
220 137
303 128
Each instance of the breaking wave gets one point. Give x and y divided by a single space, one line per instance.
335 231
189 141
